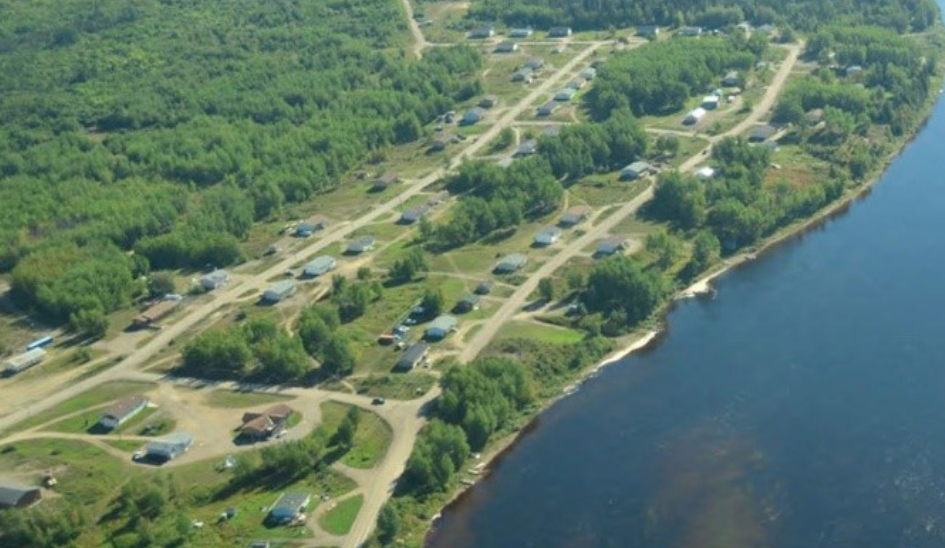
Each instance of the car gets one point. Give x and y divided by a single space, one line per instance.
378 401
410 321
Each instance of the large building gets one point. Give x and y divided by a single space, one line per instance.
260 426
155 313
24 361
122 412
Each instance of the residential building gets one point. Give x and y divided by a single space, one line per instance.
761 134
414 214
523 75
527 148
488 101
521 33
574 216
731 79
710 102
169 448
589 73
534 63
611 245
484 287
440 327
565 94
474 115
547 236
559 32
279 291
635 170
694 116
121 412
260 426
548 108
577 83
215 279
415 355
361 244
384 181
648 31
155 313
705 173
319 265
468 303
482 33
24 361
289 507
14 495
311 226
507 46
689 31
442 140
510 263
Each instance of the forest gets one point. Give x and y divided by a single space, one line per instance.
168 128
899 15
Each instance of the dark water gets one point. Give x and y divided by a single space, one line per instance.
803 407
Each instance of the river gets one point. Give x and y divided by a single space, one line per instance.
802 407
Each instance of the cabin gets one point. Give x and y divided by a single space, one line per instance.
523 75
319 265
414 214
14 495
484 287
694 116
288 508
311 226
814 116
474 115
611 245
261 426
24 361
534 63
527 148
507 46
731 79
488 101
482 33
279 291
565 94
415 355
360 245
169 448
548 108
441 141
547 236
521 33
214 280
122 412
589 73
440 327
648 31
710 102
468 303
574 216
155 313
384 181
690 32
510 263
635 171
761 134
559 32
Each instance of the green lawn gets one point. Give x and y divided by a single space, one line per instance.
541 332
399 386
128 446
371 439
232 399
338 520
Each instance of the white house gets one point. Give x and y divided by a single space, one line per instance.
547 236
695 116
24 361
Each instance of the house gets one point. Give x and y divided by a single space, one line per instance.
510 263
534 63
694 116
24 361
442 140
13 495
611 245
648 31
155 313
507 46
474 115
853 70
574 216
319 265
488 101
565 94
383 181
468 303
440 327
761 134
214 279
259 426
523 75
289 507
589 73
482 33
171 447
731 79
309 227
705 173
414 214
527 148
635 170
551 131
547 236
521 33
710 102
279 291
121 412
815 116
559 32
484 287
415 355
689 32
577 83
361 245
548 108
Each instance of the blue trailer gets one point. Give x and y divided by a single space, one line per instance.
40 343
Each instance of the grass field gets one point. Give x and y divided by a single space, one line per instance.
338 520
84 423
371 439
541 332
232 399
400 386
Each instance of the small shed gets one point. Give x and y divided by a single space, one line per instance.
171 447
24 361
527 148
360 245
440 327
215 279
484 287
14 495
521 33
565 94
574 216
611 245
507 46
414 214
311 226
731 79
415 355
761 134
548 108
559 32
510 263
468 303
635 170
547 236
489 101
289 507
279 291
474 115
319 265
123 411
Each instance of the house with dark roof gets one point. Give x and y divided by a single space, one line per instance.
474 115
507 46
288 508
534 63
565 94
510 263
383 181
360 245
414 214
489 101
259 426
635 170
468 303
559 32
761 134
527 148
484 287
548 108
547 236
279 291
442 140
525 74
611 245
482 33
311 226
577 83
171 447
589 73
440 327
14 495
648 31
122 411
214 279
731 79
574 216
415 355
319 265
520 33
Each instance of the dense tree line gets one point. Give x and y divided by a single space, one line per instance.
624 291
169 127
318 330
899 15
585 148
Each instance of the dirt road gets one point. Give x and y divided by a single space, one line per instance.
419 40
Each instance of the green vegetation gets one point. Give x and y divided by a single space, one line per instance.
338 520
537 331
396 386
234 399
366 435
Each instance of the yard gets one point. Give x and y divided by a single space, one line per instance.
235 399
371 439
338 520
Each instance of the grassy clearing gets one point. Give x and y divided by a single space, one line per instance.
371 439
541 332
795 167
128 446
605 190
85 423
338 520
233 399
399 386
